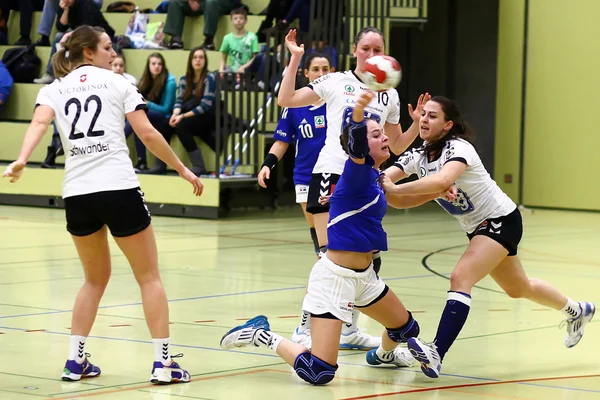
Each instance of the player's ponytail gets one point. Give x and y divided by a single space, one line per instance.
460 128
71 55
60 63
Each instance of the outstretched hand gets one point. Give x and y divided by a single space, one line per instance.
415 113
290 42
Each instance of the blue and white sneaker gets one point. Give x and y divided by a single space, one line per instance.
74 371
167 374
243 335
402 358
427 355
575 325
358 340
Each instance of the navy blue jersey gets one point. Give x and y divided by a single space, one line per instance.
356 210
306 127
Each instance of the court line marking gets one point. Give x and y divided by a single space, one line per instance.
174 395
149 385
212 296
470 385
409 385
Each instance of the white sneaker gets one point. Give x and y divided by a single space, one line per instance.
575 325
402 358
427 355
359 340
302 338
46 79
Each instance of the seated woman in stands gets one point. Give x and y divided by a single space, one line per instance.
193 112
158 87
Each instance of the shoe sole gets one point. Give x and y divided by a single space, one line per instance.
67 378
421 356
347 346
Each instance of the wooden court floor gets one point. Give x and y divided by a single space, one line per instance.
218 273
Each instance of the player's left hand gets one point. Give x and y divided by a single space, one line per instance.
386 183
415 113
194 180
324 200
14 171
450 194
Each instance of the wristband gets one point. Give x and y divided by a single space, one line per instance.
271 161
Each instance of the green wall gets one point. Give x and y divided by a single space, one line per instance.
508 95
561 145
562 141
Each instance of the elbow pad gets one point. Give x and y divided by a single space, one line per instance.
358 143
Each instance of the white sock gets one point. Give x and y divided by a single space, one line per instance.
572 309
266 338
76 348
384 355
161 350
353 327
304 322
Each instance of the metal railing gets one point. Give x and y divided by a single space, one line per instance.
247 109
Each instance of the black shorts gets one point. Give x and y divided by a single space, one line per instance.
123 211
320 185
506 230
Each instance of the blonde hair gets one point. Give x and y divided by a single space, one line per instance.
83 37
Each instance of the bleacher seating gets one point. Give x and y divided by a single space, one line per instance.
18 110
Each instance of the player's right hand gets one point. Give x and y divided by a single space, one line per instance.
14 171
358 114
194 180
265 173
290 42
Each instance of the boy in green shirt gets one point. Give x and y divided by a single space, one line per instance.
239 46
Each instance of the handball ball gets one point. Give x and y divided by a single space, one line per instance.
382 73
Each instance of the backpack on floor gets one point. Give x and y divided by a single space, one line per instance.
22 63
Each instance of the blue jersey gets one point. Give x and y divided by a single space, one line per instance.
307 128
356 210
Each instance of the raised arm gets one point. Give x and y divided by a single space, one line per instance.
288 95
400 141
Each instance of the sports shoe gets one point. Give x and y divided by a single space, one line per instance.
302 338
427 355
166 374
243 335
575 325
74 371
359 340
402 358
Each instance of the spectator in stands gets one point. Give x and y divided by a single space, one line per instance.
118 67
26 9
193 112
212 11
158 87
72 14
6 84
51 7
276 10
240 47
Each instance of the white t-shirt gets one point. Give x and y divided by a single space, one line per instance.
340 90
90 104
479 197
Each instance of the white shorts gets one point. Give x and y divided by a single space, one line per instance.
337 290
332 159
301 193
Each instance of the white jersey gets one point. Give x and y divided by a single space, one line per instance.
340 90
479 197
90 104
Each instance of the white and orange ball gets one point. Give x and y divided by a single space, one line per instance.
382 73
